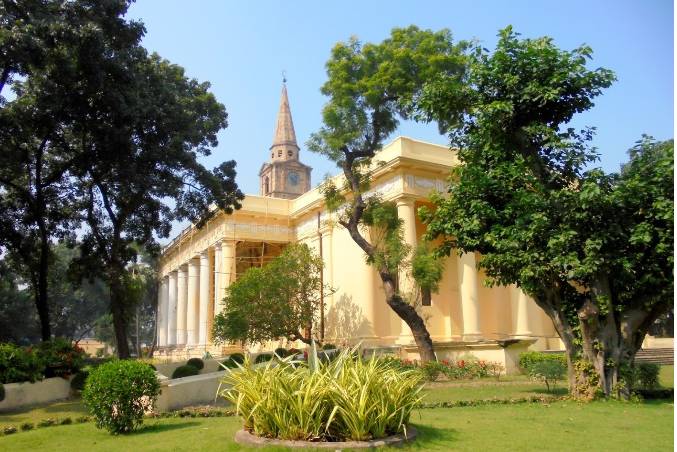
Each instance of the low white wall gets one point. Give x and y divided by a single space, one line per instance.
20 395
211 365
189 391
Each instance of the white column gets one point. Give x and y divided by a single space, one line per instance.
181 304
227 272
467 278
406 211
204 298
193 303
217 278
522 325
172 295
161 319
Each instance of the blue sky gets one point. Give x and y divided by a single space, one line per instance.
241 47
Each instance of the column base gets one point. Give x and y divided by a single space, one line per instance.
473 337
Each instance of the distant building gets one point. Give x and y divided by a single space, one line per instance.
199 264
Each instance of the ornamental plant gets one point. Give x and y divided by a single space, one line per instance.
60 357
186 370
348 398
19 364
118 394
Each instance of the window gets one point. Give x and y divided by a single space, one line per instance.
266 185
289 153
279 153
426 299
272 155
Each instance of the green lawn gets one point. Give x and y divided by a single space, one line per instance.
558 426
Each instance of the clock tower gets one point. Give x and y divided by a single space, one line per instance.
283 175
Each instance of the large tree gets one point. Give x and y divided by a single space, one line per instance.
145 142
279 300
593 250
53 56
370 87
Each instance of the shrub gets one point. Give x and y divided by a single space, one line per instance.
60 357
78 381
27 426
549 372
495 369
49 422
529 359
648 375
345 399
281 352
185 371
197 363
262 358
119 392
233 360
432 370
18 364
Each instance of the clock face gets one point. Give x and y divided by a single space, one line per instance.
293 178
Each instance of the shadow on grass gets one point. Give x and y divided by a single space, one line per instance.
429 437
553 392
150 429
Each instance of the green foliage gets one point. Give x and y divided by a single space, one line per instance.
185 371
26 426
427 268
196 362
346 399
19 364
527 360
526 198
385 232
118 393
641 376
233 360
79 380
60 357
278 300
329 347
433 369
281 352
263 358
549 371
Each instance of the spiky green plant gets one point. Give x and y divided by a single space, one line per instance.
346 399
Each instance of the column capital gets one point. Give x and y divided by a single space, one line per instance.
405 200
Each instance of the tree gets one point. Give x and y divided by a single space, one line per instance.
593 250
370 87
54 55
279 300
145 146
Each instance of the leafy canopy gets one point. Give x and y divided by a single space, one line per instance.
278 300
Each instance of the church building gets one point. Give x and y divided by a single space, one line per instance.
197 266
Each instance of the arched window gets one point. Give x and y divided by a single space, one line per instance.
289 153
279 153
266 185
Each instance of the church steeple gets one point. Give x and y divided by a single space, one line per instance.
284 176
284 145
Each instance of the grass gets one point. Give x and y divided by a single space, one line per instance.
559 426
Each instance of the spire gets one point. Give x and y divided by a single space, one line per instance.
284 131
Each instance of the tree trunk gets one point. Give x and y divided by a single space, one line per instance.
117 306
41 294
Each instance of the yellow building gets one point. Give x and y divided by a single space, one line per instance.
464 317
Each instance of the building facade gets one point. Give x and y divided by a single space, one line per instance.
197 267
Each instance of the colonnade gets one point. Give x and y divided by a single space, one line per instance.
468 284
191 295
